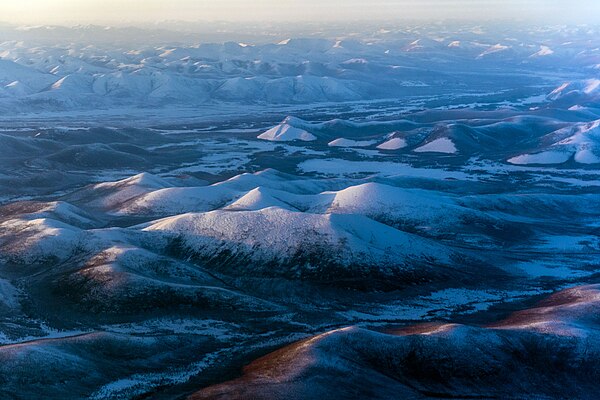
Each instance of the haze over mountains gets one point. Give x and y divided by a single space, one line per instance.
93 67
368 212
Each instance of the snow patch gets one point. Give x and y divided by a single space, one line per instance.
441 145
544 51
342 142
393 144
546 157
286 132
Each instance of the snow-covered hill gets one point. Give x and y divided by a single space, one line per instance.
278 242
286 132
521 356
579 142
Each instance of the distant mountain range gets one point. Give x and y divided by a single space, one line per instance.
91 67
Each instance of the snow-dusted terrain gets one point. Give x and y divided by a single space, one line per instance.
95 67
406 211
548 351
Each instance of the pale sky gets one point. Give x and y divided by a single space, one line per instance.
126 11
